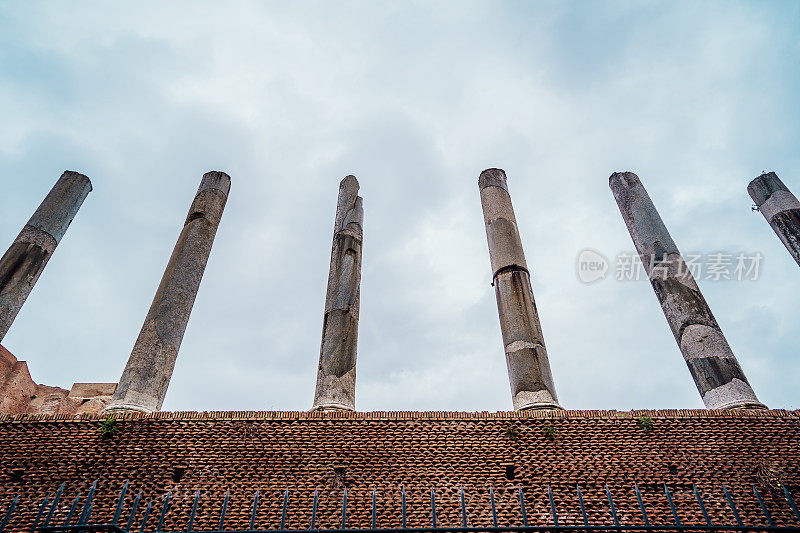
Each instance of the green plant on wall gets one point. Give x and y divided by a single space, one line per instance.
108 427
550 432
645 422
512 432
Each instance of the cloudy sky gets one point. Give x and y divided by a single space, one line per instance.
415 99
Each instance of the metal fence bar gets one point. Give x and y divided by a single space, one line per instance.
86 520
41 511
146 515
87 507
583 507
133 511
163 512
108 528
344 509
552 506
255 511
672 506
194 511
314 510
463 508
54 505
72 509
511 529
494 509
224 510
732 504
374 506
120 502
47 512
611 505
283 513
702 506
403 498
763 507
9 512
641 504
433 508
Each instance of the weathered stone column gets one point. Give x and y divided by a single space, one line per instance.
25 260
144 382
781 209
526 356
716 372
336 375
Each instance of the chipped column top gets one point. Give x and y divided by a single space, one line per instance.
349 184
349 204
493 177
215 180
61 204
207 204
771 195
648 230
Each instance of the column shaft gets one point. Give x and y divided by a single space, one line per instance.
526 356
144 382
781 209
716 372
336 374
25 260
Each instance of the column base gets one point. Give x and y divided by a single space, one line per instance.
124 408
543 406
332 407
742 406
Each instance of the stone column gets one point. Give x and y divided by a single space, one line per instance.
144 382
781 209
526 356
25 260
716 372
336 374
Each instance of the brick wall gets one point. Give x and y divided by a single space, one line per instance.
273 451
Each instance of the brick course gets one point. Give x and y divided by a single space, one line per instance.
273 451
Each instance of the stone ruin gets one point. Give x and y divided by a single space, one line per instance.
20 395
720 379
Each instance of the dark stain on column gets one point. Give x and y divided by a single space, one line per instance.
711 362
25 260
780 208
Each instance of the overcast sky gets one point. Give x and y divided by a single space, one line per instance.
415 99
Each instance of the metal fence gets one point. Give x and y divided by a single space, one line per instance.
78 518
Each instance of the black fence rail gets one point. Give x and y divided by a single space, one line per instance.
78 517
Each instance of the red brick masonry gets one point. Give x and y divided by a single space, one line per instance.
20 395
272 451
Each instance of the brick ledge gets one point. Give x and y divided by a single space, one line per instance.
412 415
